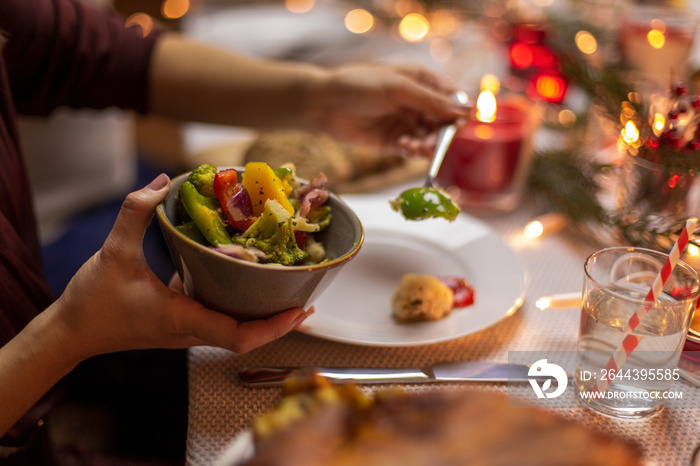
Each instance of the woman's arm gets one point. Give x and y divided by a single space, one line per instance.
195 81
114 303
30 364
365 104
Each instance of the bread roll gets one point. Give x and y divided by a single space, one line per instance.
421 297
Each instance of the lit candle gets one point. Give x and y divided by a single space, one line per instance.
486 163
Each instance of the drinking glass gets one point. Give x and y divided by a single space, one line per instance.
635 381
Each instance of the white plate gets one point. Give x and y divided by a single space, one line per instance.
239 451
356 307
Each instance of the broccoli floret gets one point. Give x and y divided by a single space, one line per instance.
202 178
273 234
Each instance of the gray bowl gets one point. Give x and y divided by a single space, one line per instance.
247 290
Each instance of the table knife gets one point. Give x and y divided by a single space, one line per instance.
465 371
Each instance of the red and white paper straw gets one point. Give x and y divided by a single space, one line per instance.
631 341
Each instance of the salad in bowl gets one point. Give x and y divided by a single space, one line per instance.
256 240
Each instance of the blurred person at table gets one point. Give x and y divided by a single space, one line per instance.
61 53
77 193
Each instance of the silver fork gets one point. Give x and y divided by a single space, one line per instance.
444 139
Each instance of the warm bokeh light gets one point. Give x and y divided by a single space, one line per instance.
534 229
692 250
656 38
142 20
484 132
673 181
658 24
173 9
586 43
490 82
445 23
627 112
404 7
551 88
543 303
359 21
414 27
630 133
521 55
299 6
659 123
567 118
547 224
634 97
486 107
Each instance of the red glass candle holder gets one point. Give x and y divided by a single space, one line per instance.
486 165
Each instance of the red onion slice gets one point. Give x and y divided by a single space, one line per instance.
319 182
238 251
240 206
311 200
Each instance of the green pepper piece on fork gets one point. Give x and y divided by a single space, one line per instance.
424 203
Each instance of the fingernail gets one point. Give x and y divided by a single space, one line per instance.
158 183
299 319
462 109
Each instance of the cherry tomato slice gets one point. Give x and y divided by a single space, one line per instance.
462 289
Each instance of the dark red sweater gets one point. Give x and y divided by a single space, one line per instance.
56 53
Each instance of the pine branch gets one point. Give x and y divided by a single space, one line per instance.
577 196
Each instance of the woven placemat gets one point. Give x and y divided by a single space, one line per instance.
220 407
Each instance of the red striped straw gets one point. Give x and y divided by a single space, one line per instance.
631 341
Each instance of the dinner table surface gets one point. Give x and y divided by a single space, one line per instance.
220 408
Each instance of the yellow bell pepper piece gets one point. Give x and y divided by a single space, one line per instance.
262 184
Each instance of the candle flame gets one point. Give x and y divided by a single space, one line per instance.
656 38
486 107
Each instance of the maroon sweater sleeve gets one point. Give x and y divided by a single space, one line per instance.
24 291
57 52
63 53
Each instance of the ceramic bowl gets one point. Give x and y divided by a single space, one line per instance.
247 290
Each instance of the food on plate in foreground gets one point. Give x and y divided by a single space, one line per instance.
425 203
317 423
421 297
268 216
